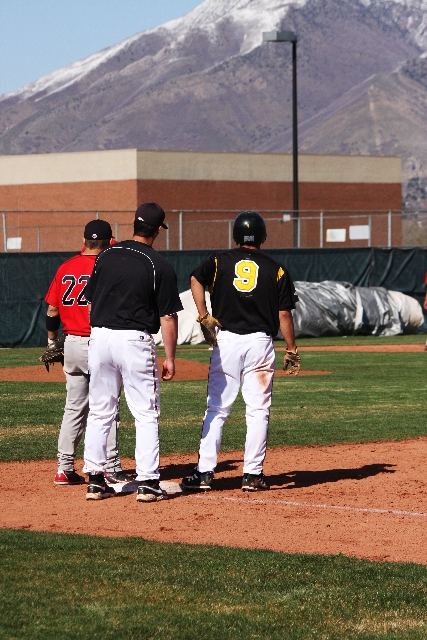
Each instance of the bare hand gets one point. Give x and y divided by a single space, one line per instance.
168 370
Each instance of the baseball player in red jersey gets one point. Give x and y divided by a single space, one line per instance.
67 304
251 296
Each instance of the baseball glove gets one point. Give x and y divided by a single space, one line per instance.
208 325
293 361
54 352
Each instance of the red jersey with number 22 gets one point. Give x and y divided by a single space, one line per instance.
66 293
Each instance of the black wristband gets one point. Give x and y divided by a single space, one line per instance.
52 322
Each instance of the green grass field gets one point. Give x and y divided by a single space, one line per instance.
81 587
367 397
26 357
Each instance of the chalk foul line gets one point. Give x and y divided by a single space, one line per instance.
309 505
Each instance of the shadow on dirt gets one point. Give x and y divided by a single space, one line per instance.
289 480
299 479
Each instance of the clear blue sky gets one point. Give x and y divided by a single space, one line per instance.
40 36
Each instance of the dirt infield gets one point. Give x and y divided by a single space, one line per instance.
185 370
367 501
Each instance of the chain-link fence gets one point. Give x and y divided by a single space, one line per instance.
40 231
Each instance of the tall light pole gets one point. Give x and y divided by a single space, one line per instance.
289 36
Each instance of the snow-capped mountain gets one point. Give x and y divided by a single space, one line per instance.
206 81
251 17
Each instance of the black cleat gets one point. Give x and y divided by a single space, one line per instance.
98 489
149 491
198 481
118 477
254 483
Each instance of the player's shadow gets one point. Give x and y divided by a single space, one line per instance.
289 480
300 479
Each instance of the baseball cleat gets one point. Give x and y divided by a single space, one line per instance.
252 482
198 481
150 491
118 477
68 477
98 489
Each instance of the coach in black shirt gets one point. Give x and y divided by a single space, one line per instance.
132 293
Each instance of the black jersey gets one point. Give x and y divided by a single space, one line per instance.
248 289
131 287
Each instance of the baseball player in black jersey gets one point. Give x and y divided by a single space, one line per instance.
133 292
251 295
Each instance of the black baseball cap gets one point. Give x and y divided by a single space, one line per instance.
98 230
152 214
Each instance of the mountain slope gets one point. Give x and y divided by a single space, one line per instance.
385 115
206 81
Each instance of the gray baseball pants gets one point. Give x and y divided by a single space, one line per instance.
77 408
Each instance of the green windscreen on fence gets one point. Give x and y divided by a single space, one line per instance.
25 278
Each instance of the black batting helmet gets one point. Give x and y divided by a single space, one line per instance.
249 228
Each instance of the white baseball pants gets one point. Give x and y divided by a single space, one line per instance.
130 356
250 358
77 408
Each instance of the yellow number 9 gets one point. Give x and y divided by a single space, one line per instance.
246 275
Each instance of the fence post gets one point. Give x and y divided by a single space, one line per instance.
370 231
389 230
117 231
299 232
4 231
321 229
97 215
38 239
167 239
180 230
230 235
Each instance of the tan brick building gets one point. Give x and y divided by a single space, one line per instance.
207 186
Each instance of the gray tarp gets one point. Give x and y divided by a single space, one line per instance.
332 308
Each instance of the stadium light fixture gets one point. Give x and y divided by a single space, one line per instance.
290 36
